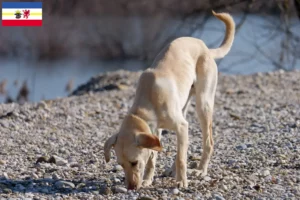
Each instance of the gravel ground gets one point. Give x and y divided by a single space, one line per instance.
54 149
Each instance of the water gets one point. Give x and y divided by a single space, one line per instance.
47 80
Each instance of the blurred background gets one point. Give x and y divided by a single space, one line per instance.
81 38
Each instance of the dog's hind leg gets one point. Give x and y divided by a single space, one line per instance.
205 88
187 104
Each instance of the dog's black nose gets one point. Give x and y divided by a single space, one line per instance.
132 186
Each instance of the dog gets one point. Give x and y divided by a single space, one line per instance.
184 68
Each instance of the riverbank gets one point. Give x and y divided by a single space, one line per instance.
54 148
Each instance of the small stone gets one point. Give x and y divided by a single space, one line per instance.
241 147
168 172
160 190
95 192
224 187
74 164
5 175
5 124
7 191
55 176
42 104
195 158
207 178
118 168
218 197
105 190
58 161
266 173
44 190
231 161
146 198
20 187
41 159
81 185
2 162
193 165
64 184
119 189
175 191
116 180
34 175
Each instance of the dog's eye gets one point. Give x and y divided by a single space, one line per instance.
133 164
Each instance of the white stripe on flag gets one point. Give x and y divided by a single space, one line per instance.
13 10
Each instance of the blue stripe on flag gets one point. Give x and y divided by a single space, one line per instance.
21 4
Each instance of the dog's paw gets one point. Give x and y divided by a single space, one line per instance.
201 173
146 183
196 173
182 183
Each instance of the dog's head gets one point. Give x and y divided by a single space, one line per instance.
133 146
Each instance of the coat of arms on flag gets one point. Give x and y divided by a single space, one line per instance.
22 14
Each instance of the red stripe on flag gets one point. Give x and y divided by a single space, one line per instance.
22 22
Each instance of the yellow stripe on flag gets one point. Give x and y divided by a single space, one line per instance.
13 14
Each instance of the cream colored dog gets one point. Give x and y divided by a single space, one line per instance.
184 68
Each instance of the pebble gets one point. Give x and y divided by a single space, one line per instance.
59 161
20 187
160 190
105 190
218 197
119 189
193 165
75 129
118 168
34 175
44 190
207 178
64 184
224 187
116 180
2 162
42 104
266 173
5 175
55 176
7 191
175 191
146 198
242 147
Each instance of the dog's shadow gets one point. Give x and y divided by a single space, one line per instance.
51 186
60 186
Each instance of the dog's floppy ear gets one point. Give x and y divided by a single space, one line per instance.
108 145
147 140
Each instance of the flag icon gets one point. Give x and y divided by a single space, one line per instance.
22 14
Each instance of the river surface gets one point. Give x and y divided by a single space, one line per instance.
48 80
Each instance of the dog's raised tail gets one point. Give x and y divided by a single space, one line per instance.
229 36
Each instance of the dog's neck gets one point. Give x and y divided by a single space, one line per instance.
145 116
135 123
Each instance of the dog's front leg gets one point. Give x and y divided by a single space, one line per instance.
181 157
150 167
